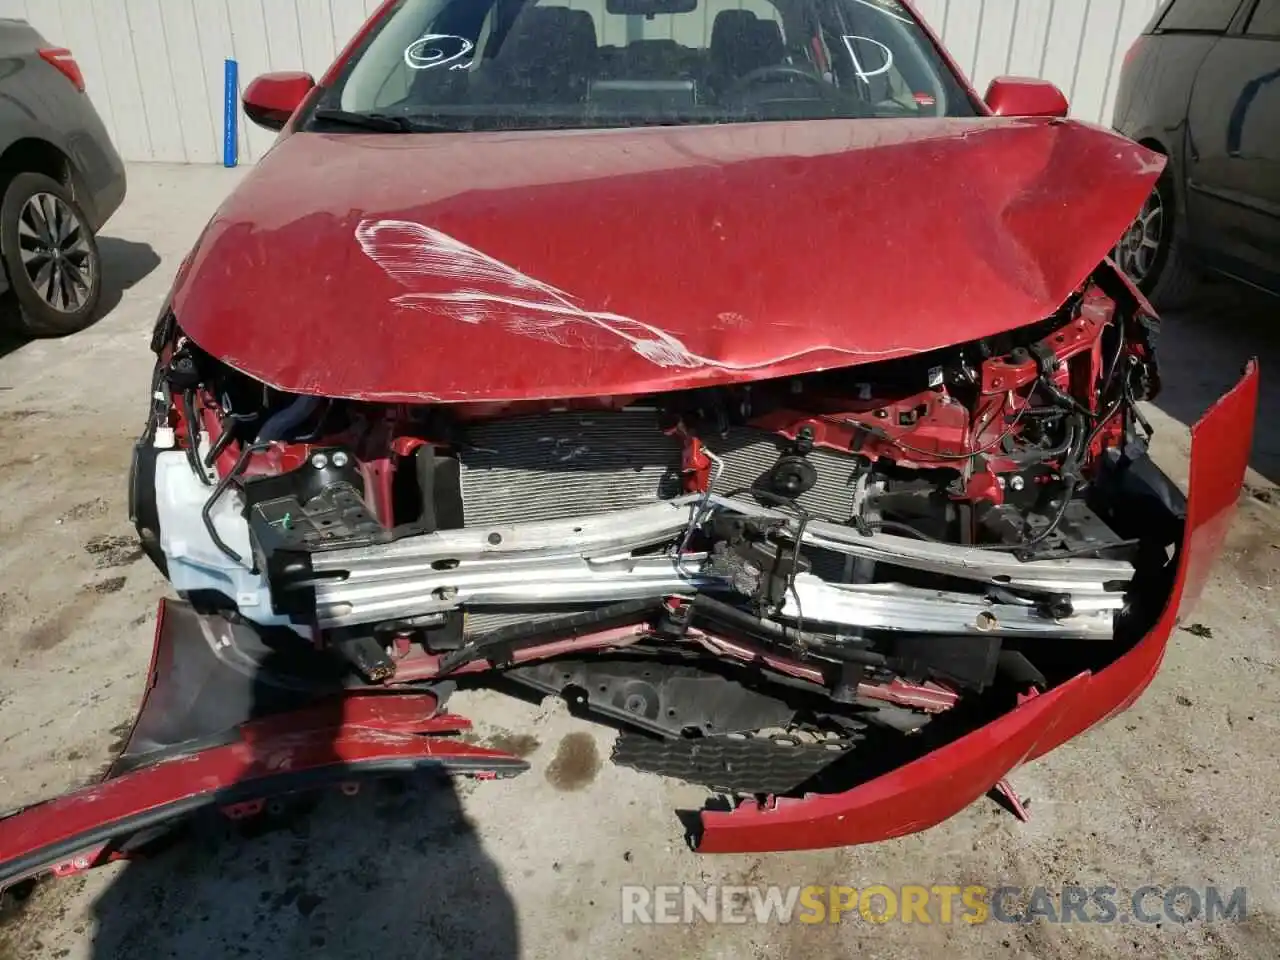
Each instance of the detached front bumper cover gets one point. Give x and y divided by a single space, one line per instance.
193 749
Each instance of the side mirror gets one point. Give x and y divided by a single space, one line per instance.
1025 97
271 99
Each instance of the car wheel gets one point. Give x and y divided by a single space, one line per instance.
1151 252
50 255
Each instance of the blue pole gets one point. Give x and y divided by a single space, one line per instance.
230 114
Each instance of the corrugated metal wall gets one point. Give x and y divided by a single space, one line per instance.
154 67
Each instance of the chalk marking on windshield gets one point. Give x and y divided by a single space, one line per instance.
432 50
484 289
887 12
863 75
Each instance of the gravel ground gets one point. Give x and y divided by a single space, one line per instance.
1178 790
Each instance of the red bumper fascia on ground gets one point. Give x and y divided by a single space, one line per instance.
937 786
330 742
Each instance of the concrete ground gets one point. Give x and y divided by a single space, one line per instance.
1180 790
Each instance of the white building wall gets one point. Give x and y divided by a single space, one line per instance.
155 67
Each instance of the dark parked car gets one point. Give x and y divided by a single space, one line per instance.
61 179
1202 86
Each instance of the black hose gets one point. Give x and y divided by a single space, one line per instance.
730 616
218 491
531 633
154 409
1074 453
1040 454
279 424
1115 361
223 441
893 526
193 436
1103 421
1137 414
1071 480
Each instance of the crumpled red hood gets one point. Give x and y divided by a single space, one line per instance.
511 266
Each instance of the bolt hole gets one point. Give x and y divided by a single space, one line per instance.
445 565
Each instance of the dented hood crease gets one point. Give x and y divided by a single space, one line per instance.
454 267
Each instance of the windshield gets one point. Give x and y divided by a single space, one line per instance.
529 64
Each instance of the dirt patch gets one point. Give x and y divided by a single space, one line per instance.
516 744
29 909
113 551
17 416
1253 546
6 465
50 633
121 733
576 763
1268 495
88 510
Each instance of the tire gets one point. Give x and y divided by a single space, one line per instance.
1169 278
50 256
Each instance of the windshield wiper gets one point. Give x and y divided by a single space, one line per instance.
382 122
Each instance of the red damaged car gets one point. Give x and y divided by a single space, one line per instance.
730 370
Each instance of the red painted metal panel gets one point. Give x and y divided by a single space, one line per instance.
533 265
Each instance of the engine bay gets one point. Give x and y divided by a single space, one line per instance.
745 578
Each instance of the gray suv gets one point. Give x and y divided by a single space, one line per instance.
61 178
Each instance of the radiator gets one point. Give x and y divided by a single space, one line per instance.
560 465
749 454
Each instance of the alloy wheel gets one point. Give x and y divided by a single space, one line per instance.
55 252
1140 246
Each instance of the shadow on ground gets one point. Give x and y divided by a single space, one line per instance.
395 871
1202 350
124 263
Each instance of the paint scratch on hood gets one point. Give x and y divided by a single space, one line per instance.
445 275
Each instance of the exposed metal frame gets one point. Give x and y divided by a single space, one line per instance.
592 560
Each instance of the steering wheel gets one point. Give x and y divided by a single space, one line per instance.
778 71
